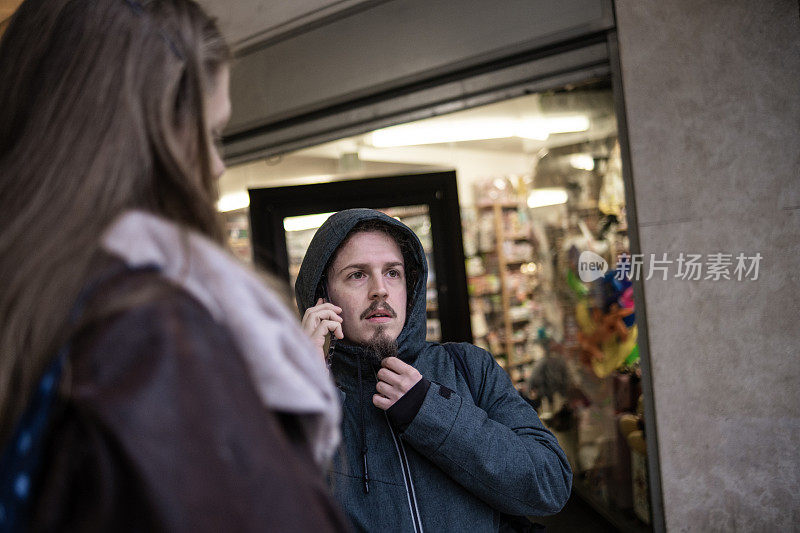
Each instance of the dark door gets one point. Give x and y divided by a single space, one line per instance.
428 203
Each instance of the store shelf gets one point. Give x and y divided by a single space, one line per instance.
408 211
525 361
505 228
586 206
503 205
485 293
514 341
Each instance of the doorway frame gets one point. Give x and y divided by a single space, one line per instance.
553 66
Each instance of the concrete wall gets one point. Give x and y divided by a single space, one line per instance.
712 93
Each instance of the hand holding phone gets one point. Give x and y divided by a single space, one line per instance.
319 321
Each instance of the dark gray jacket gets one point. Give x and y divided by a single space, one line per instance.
459 462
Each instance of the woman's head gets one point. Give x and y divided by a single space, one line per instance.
105 105
112 92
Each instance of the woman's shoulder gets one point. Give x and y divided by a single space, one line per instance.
156 395
134 319
116 289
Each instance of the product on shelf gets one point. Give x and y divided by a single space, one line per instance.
237 226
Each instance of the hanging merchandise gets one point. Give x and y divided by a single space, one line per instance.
608 333
576 285
551 378
611 200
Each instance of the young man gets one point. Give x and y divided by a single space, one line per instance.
419 452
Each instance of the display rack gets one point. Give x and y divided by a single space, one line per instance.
507 260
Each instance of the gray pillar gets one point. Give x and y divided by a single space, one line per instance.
712 93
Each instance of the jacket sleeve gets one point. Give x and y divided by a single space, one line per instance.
162 429
499 450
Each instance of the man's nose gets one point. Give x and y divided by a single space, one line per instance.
378 289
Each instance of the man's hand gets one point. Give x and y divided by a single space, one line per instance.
320 320
394 380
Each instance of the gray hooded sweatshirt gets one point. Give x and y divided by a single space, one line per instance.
460 462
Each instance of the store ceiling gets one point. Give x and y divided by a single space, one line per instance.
473 160
596 105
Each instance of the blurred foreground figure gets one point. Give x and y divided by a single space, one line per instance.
148 381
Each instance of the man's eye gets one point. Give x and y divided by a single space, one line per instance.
356 275
393 273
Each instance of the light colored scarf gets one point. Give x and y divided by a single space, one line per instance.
288 373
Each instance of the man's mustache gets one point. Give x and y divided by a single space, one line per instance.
378 305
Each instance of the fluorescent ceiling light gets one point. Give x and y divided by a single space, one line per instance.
582 161
532 129
233 201
442 130
547 196
304 222
566 124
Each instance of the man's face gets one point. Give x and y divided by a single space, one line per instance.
368 281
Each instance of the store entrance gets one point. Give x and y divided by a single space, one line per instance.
539 187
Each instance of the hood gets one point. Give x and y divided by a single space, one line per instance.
325 242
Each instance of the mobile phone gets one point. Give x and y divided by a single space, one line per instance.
322 292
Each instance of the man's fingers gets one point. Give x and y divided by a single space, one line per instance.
312 319
325 327
328 314
396 365
390 377
381 402
327 305
408 374
321 308
322 313
384 389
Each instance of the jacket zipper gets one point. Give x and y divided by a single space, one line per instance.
410 493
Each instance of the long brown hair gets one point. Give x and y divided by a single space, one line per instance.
101 110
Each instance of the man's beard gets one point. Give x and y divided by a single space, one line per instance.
380 346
